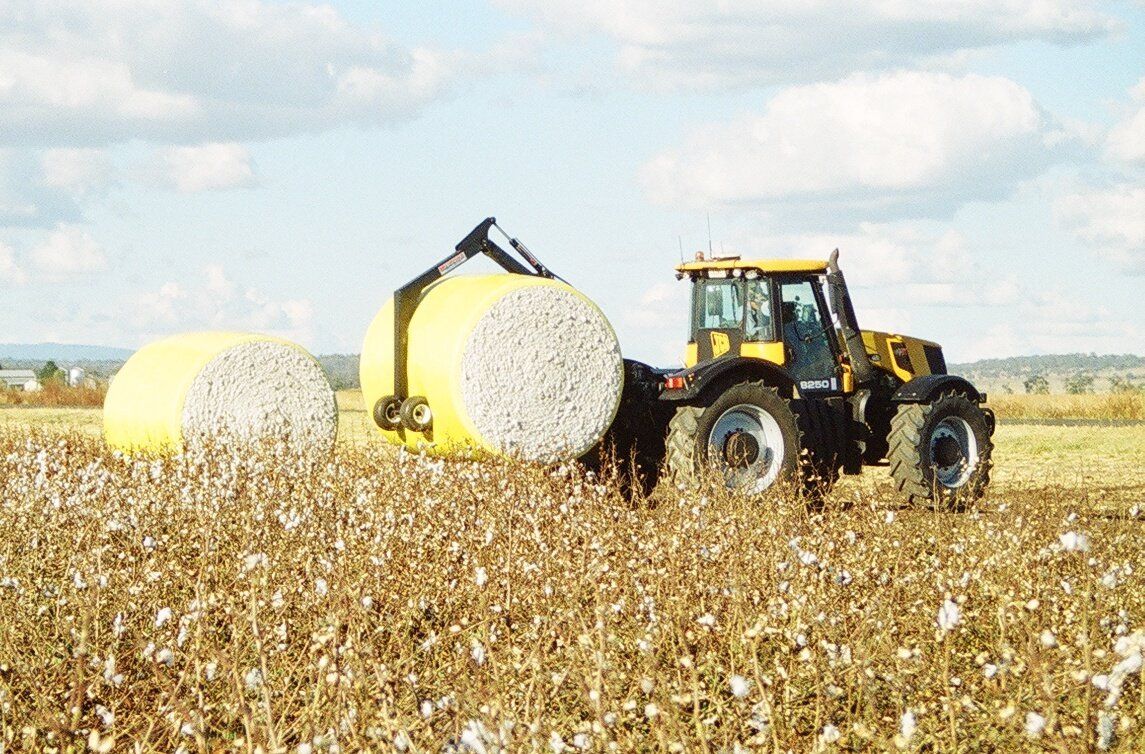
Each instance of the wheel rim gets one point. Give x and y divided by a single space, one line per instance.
746 447
953 452
422 415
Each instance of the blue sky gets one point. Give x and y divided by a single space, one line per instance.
168 165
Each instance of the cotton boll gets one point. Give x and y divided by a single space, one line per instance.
1035 724
1073 541
907 725
948 615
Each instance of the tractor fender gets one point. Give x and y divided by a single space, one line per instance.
726 371
923 389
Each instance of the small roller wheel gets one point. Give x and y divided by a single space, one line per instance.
387 413
416 414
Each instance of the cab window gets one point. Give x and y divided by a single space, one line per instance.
758 325
718 305
805 333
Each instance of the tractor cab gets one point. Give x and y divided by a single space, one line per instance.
774 310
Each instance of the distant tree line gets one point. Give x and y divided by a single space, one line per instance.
1083 383
1051 364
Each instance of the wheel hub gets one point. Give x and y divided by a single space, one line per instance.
746 446
740 449
947 452
953 452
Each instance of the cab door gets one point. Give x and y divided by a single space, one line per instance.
808 337
717 317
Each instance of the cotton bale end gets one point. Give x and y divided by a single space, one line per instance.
233 387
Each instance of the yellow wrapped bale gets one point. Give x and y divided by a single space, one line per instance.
234 386
509 364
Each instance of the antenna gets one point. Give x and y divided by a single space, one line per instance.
709 234
680 240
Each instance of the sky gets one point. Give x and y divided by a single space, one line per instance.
282 167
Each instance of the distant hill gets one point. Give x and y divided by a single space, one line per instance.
993 375
59 352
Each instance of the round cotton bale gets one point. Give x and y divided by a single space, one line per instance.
510 364
235 387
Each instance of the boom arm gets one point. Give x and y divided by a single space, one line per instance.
407 297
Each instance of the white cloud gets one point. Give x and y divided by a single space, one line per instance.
1126 141
897 143
706 43
218 284
1111 220
73 72
1057 321
79 171
66 253
217 303
208 167
76 83
10 272
911 265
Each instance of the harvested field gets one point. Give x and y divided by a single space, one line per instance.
1119 406
377 601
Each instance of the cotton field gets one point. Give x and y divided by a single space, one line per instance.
275 603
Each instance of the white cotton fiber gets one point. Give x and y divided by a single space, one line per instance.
542 374
262 389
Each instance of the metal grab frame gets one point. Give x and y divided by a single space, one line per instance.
408 296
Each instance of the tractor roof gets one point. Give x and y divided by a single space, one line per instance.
763 265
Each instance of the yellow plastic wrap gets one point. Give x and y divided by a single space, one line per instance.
438 335
143 410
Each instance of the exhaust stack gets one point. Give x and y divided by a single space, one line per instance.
864 371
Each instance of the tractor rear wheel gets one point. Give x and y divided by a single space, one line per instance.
748 436
940 451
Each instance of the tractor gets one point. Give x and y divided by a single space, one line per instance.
780 384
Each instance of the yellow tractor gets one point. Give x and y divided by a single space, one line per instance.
780 384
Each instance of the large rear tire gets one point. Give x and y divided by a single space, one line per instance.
940 452
752 439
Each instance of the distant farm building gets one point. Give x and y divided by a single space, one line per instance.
19 379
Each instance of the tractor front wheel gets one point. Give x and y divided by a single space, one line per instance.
940 451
